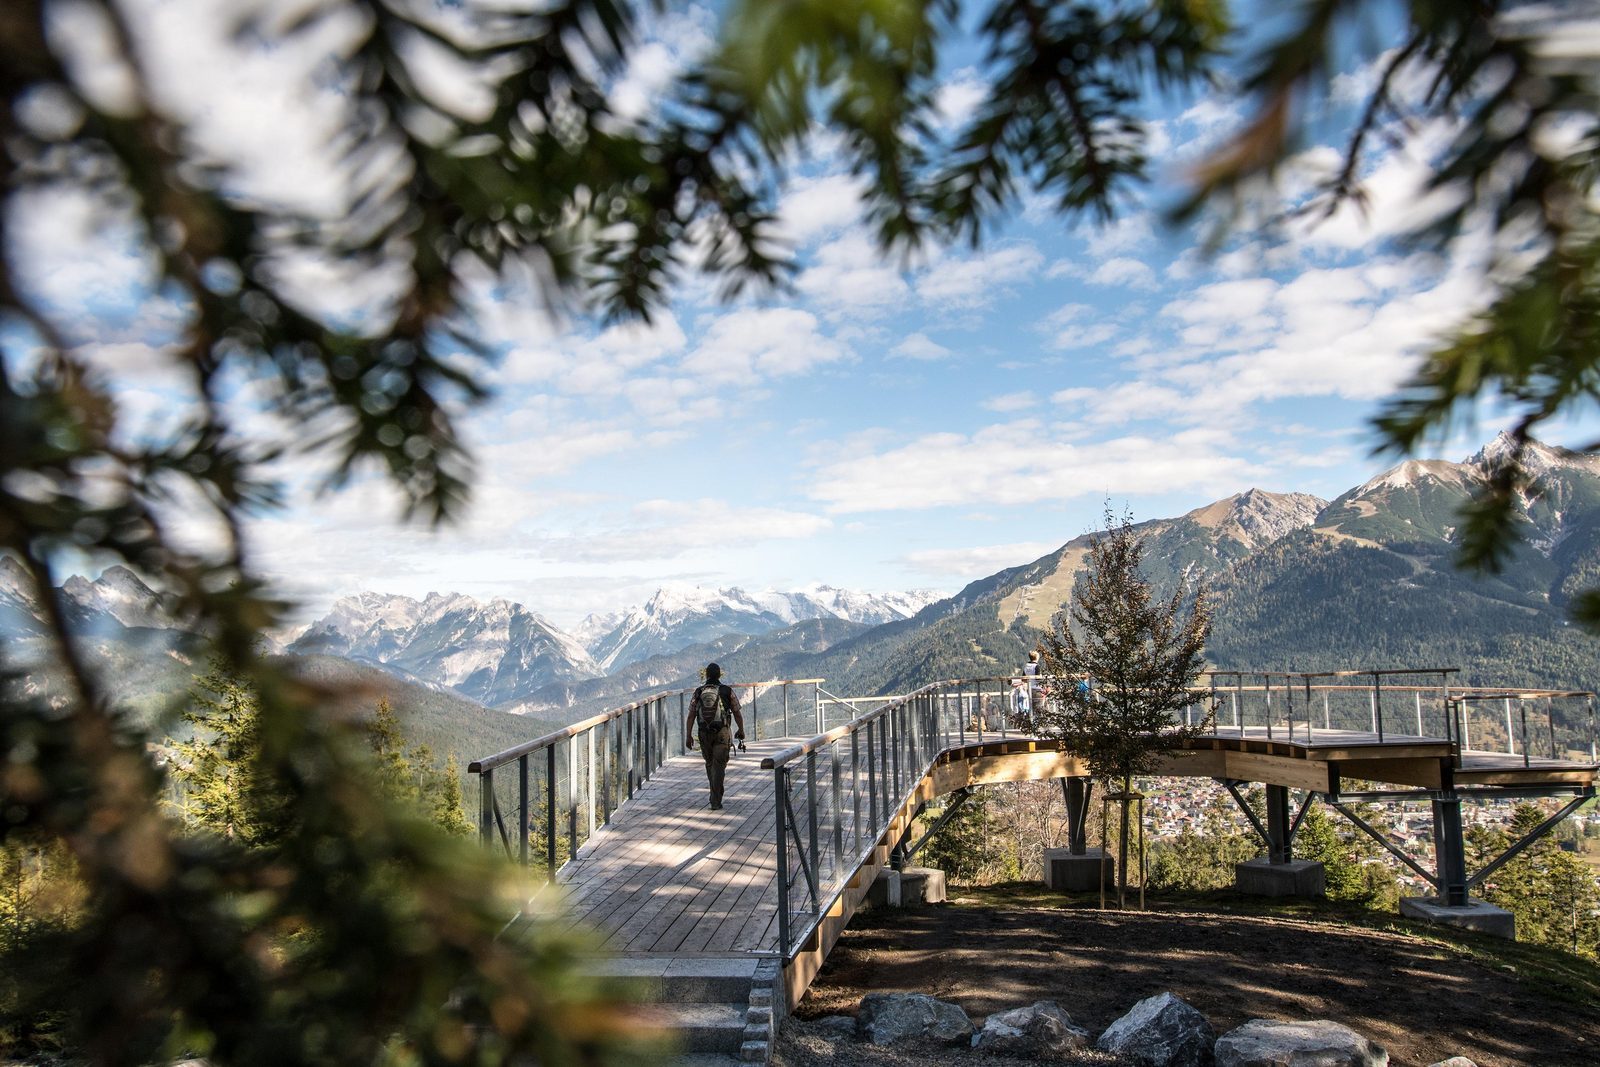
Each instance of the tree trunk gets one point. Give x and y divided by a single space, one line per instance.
1122 845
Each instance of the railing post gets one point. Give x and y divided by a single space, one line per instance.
523 814
781 838
1522 710
572 797
1511 736
855 789
874 730
897 743
645 742
550 813
1377 704
1589 700
683 722
838 812
811 823
589 733
630 741
821 718
785 707
486 806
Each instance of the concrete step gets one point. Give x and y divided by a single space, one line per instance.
709 980
704 1028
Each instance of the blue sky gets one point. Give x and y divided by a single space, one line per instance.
884 426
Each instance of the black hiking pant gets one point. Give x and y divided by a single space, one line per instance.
716 745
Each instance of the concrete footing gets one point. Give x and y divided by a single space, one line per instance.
1077 874
885 889
907 888
1477 915
922 885
1297 878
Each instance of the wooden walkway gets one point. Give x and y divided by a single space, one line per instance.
669 876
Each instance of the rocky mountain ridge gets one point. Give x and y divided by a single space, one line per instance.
678 616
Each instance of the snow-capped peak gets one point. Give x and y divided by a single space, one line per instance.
678 615
121 594
1537 458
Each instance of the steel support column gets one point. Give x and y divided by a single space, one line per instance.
1075 791
1280 843
1450 849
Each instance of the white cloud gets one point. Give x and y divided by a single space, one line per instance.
1021 463
670 44
666 529
752 344
1087 335
1223 302
958 98
1124 273
920 346
1006 403
974 281
849 277
1124 234
976 562
812 207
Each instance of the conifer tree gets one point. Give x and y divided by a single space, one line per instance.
222 784
1120 667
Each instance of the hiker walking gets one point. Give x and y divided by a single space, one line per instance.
709 711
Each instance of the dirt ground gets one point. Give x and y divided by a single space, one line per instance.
1422 996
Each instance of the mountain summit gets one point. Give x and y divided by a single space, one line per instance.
678 616
495 653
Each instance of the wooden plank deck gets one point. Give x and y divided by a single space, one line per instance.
669 876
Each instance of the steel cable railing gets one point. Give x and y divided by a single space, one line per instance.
570 782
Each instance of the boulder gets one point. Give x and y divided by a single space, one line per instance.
1319 1043
884 1018
1454 1061
1041 1031
1160 1031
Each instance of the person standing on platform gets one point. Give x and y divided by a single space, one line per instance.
710 709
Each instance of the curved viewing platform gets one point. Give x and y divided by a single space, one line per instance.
614 810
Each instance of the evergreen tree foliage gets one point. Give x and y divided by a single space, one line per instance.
1353 864
223 784
1120 665
1205 859
1554 895
961 847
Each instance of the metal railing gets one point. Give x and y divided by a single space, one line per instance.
570 782
836 794
1397 705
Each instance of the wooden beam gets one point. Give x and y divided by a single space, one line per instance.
1276 770
1418 771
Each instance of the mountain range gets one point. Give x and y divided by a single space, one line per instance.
503 655
1297 583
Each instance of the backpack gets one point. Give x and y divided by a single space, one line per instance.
711 711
